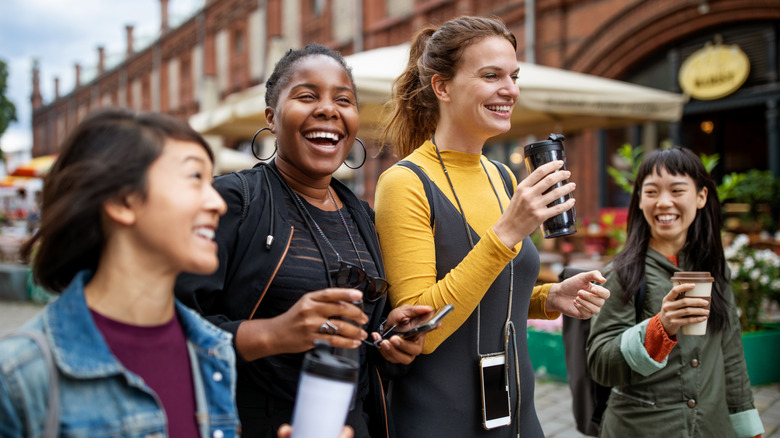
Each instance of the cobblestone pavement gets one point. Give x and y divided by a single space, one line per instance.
553 399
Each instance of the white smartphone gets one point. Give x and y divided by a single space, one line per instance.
495 392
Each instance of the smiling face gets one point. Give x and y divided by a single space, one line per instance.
315 119
174 223
478 101
669 204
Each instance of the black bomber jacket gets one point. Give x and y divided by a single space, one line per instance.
253 237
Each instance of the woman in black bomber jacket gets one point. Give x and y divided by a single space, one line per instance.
293 247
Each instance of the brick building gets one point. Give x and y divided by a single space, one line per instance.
229 46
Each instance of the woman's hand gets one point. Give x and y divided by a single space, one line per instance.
313 317
577 296
529 206
285 431
677 312
397 349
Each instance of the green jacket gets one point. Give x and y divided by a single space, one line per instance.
700 390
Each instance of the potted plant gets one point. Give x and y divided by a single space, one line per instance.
759 192
755 277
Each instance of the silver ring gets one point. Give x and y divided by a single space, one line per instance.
329 328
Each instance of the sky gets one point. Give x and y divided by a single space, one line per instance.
61 33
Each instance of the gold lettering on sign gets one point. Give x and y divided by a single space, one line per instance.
714 71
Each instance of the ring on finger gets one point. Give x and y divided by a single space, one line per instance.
329 328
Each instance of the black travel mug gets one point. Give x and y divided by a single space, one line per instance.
537 154
324 395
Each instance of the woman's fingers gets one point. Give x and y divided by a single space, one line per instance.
334 302
345 334
678 310
543 172
400 350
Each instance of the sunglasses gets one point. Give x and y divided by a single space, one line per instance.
349 275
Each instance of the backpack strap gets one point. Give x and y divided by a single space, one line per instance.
639 300
51 427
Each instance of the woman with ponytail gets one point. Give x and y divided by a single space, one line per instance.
451 232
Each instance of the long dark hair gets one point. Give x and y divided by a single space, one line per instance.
414 106
703 248
107 156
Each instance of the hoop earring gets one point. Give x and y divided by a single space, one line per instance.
365 154
253 146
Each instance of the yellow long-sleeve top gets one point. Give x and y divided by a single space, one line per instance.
407 240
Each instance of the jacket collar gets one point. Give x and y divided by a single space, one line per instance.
80 349
665 263
361 215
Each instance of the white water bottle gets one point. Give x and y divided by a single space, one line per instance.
324 394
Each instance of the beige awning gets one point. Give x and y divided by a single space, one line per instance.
551 100
239 115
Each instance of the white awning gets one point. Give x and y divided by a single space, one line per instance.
551 100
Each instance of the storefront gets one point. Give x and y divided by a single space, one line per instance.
738 121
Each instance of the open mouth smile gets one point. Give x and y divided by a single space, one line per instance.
205 232
504 110
666 219
323 138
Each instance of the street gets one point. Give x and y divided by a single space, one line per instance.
552 399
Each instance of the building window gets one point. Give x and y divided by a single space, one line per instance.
343 19
317 7
238 42
399 8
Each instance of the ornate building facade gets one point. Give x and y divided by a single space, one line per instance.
230 45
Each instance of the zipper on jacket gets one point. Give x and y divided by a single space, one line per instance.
276 269
631 397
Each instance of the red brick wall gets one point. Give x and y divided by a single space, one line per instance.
601 37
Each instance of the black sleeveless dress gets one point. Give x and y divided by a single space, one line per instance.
440 395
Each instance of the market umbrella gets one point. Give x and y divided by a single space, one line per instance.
15 181
551 100
37 167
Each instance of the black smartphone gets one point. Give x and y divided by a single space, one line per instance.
423 326
495 392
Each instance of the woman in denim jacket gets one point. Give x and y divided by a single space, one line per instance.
127 206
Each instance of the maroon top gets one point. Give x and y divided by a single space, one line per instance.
158 355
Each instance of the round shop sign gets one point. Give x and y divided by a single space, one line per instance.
714 71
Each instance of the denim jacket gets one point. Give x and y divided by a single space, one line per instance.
98 396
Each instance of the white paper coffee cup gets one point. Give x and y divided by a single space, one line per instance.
703 289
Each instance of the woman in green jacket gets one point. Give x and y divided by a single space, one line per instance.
667 383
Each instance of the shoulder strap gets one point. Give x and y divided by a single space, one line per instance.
245 198
425 181
52 425
510 190
639 300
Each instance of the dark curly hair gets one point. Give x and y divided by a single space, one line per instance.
283 70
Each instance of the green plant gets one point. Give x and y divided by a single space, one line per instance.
633 158
755 277
7 108
709 161
616 234
757 188
728 187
